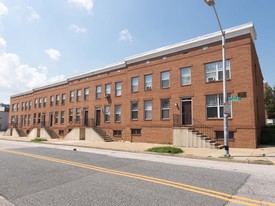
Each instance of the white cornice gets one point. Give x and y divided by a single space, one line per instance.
170 49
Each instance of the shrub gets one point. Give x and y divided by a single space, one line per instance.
166 149
38 139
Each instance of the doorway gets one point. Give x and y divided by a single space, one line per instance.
86 115
186 111
51 119
97 116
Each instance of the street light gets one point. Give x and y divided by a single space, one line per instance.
225 115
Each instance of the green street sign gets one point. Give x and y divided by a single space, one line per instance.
234 98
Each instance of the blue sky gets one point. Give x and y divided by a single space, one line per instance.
44 41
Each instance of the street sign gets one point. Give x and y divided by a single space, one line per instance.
227 108
234 98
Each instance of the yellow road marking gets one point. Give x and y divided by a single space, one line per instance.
194 189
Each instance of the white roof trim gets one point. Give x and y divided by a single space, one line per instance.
188 44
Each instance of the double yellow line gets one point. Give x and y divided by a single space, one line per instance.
190 188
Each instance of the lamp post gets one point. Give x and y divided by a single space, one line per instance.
225 115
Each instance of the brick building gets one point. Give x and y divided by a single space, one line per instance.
156 95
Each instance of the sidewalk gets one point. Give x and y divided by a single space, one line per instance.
261 155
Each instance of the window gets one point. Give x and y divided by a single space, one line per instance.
118 88
34 118
27 105
57 100
117 133
148 110
86 94
98 92
45 102
107 90
51 100
117 113
71 115
62 117
30 103
134 84
39 118
136 132
18 107
61 132
63 101
214 106
148 82
220 135
14 107
165 79
23 106
78 95
71 96
134 110
40 102
165 107
25 119
56 117
214 71
29 119
77 117
107 114
35 103
185 76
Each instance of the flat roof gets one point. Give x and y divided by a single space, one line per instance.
240 30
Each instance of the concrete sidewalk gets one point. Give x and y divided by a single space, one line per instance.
261 155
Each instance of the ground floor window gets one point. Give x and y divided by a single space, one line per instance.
107 114
220 135
136 131
165 107
214 106
117 133
61 132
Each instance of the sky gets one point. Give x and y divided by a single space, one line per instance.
45 41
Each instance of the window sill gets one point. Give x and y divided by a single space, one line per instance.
134 119
165 119
185 85
165 87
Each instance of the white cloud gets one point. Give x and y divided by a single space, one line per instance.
53 54
33 14
3 9
125 35
78 29
86 4
17 77
3 44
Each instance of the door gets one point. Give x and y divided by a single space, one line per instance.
186 111
43 119
86 113
97 117
51 119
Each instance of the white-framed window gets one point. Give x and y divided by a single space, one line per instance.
71 115
27 105
62 117
148 82
165 108
117 113
45 102
214 71
30 105
71 96
134 110
214 106
86 93
55 117
107 113
35 103
78 95
148 110
185 76
107 89
23 106
118 88
57 99
98 92
29 119
134 84
51 100
77 115
63 101
165 79
40 102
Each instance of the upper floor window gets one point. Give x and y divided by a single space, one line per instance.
165 79
98 92
30 105
57 100
214 106
71 96
185 76
40 102
165 107
148 110
107 114
214 71
27 105
51 100
35 103
134 84
86 94
107 90
23 106
118 88
45 102
14 107
134 110
78 95
148 82
63 101
18 106
117 113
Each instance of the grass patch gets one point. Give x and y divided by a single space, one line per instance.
166 149
38 139
262 162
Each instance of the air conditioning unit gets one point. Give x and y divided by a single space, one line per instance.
148 88
107 95
211 79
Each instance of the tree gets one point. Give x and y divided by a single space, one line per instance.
269 98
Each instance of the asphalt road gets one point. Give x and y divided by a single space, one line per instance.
35 174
